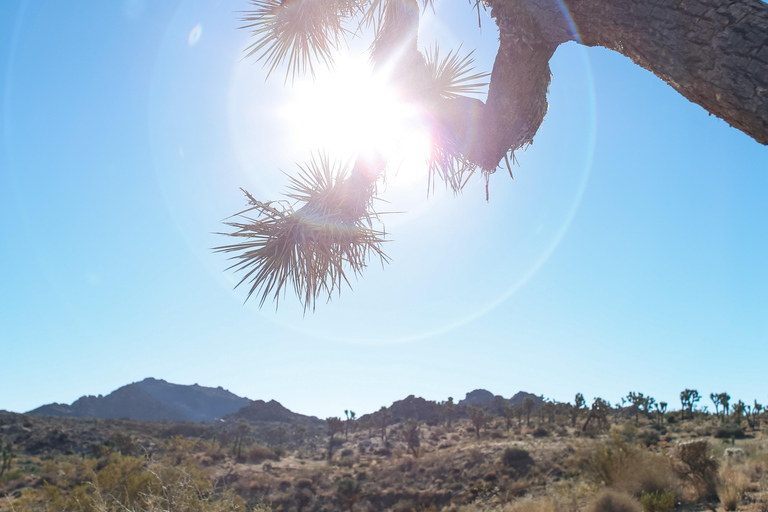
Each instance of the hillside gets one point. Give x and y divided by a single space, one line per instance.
272 411
152 400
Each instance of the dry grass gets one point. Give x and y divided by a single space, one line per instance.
732 486
612 501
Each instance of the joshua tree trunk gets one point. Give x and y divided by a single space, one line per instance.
713 52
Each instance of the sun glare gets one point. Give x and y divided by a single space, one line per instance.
349 111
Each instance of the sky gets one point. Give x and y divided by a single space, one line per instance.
628 254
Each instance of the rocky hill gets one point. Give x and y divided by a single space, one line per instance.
272 411
152 400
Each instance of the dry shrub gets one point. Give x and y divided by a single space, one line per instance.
257 453
532 505
698 467
631 469
731 487
612 501
657 501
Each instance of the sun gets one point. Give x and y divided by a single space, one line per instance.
348 111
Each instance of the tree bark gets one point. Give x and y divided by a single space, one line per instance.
713 52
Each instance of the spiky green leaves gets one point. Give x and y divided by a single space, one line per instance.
311 248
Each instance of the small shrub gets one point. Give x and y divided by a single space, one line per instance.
730 432
657 501
257 453
540 432
612 501
648 437
513 457
698 467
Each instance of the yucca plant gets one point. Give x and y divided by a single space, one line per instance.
324 232
312 242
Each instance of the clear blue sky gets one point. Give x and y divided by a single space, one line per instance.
630 252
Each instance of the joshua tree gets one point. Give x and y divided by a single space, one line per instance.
411 436
638 401
335 426
738 411
549 408
449 409
6 457
349 423
381 419
528 405
711 52
242 431
519 411
599 414
756 410
348 490
715 400
724 399
509 414
661 407
578 405
478 417
688 398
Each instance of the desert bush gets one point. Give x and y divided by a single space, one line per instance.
540 432
730 432
657 501
648 437
731 487
257 453
515 456
612 501
698 467
631 469
532 505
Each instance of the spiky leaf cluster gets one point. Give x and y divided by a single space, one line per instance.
310 245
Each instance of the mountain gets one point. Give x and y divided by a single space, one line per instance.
152 400
272 411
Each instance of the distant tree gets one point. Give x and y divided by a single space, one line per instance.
578 405
647 405
348 491
756 410
499 403
509 414
599 414
549 409
661 407
716 401
6 457
449 410
519 412
411 436
478 417
528 405
638 401
688 398
349 423
299 433
381 419
739 408
242 431
335 426
724 399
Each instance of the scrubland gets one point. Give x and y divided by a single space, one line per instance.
630 464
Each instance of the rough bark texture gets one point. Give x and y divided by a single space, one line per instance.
713 52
